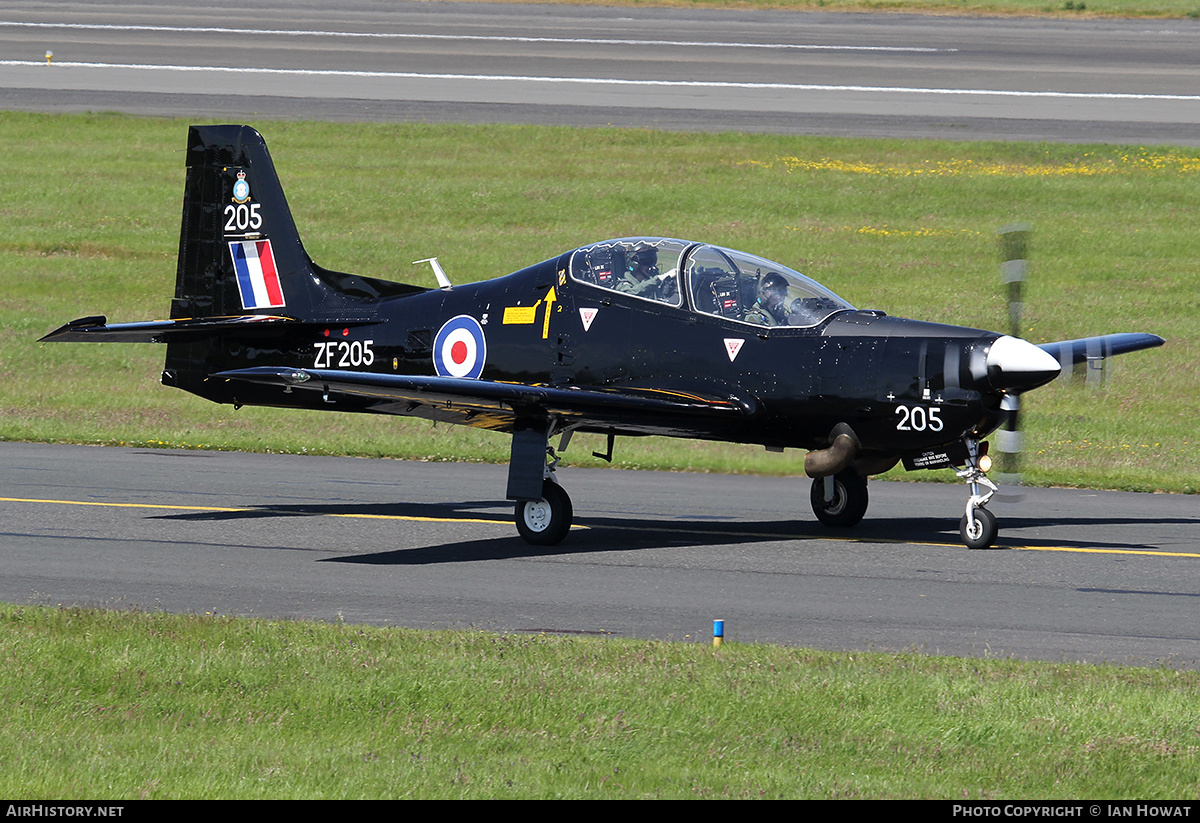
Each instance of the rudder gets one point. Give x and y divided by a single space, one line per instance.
239 250
241 259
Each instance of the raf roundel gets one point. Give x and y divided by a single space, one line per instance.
459 350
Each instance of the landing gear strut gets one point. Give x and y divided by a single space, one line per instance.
544 520
978 526
840 500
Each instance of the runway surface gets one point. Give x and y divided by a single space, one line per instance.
798 73
1078 575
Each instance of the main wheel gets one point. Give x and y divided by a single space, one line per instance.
545 522
849 502
980 534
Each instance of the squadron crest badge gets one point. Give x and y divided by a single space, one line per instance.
241 189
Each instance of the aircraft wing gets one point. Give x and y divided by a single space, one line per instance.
97 329
1070 352
497 404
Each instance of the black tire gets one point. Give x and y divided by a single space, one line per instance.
849 502
984 533
545 522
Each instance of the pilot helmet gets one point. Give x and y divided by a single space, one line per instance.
773 294
643 255
774 284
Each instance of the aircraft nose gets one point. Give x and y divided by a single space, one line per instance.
1015 365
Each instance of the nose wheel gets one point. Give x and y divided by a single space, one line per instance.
978 529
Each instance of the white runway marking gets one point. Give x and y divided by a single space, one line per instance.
473 37
613 81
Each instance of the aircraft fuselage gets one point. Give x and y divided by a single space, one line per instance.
902 385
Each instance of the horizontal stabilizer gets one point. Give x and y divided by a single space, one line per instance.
1070 352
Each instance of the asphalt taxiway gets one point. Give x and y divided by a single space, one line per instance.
1076 576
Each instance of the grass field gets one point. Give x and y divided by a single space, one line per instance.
1073 9
89 225
125 705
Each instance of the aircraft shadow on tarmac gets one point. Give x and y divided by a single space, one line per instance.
605 534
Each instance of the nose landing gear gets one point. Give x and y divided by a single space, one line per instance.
978 527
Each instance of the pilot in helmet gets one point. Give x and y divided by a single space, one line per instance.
770 308
641 275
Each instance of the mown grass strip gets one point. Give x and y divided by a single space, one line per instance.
120 705
1074 9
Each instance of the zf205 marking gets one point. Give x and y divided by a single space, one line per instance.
344 353
919 419
243 217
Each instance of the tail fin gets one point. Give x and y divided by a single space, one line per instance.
239 250
245 287
246 292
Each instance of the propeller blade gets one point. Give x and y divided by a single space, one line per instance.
1010 443
1097 359
1015 363
1014 265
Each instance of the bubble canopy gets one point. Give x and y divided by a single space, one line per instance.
706 279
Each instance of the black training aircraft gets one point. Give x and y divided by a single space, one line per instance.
635 336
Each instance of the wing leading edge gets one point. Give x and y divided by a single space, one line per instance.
629 410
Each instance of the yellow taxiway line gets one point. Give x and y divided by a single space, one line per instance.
164 506
676 531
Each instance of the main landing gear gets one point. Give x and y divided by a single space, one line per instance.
840 500
545 522
541 520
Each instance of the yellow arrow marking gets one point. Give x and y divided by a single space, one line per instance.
550 298
527 315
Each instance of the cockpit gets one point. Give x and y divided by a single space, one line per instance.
710 279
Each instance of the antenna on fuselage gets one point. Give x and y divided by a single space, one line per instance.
443 280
